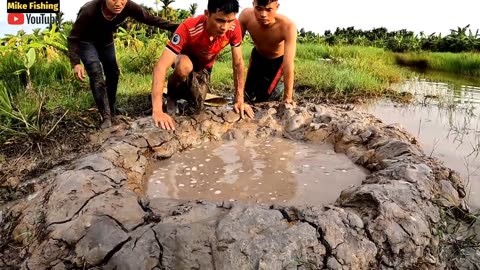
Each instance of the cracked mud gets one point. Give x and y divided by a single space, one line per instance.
95 213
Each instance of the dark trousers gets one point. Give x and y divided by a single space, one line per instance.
99 61
264 78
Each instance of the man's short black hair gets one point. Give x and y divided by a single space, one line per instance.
226 6
264 3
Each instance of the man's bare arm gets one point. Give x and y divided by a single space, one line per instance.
288 61
238 72
159 75
239 81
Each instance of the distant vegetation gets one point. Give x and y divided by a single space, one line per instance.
461 39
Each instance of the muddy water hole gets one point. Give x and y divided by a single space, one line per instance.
272 170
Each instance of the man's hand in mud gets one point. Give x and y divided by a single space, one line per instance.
289 101
242 108
79 72
163 120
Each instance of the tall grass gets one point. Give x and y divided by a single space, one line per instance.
23 117
320 69
332 70
142 57
43 72
459 63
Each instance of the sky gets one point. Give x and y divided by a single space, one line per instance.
416 15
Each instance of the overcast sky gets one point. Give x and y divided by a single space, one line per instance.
416 15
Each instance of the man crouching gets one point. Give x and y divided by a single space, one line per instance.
192 52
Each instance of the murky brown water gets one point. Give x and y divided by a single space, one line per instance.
450 133
267 170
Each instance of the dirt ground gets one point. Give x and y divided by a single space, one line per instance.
23 159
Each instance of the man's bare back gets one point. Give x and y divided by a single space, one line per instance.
269 40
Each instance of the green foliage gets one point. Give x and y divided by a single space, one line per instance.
28 61
326 70
6 107
460 63
348 62
164 11
26 119
142 57
344 70
461 39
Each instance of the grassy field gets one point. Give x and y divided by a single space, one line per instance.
467 64
320 71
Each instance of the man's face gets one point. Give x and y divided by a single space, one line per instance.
116 6
265 14
218 23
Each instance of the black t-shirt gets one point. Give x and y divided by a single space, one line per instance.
92 26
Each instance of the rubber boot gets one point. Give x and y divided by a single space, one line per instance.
99 91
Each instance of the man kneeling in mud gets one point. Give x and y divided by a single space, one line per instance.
275 39
192 52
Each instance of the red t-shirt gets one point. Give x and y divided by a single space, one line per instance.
192 39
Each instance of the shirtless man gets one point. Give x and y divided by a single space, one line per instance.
275 40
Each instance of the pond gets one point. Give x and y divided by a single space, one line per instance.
445 120
258 171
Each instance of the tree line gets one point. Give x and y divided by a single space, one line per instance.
462 39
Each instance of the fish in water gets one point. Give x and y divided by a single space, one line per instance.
216 102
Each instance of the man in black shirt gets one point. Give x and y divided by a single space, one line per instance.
91 42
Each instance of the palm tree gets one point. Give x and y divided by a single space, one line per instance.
167 3
193 9
167 11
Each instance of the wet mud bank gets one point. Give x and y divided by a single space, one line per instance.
94 213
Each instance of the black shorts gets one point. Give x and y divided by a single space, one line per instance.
264 78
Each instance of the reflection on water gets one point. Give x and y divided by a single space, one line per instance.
267 170
448 130
441 92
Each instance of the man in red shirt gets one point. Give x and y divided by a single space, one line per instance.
192 52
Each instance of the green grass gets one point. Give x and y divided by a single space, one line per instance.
460 63
343 70
351 70
320 70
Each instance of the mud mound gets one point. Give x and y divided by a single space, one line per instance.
93 214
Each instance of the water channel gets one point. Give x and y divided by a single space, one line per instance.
445 120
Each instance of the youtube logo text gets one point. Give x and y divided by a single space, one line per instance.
19 18
16 18
32 11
